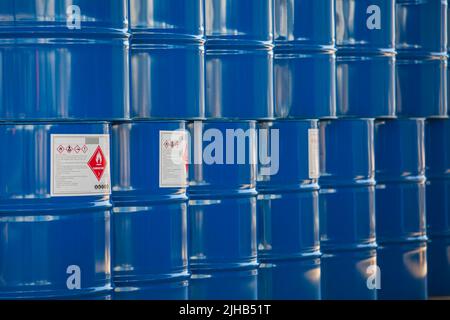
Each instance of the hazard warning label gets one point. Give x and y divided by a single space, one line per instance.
313 151
80 165
173 159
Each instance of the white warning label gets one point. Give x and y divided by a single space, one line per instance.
80 165
173 159
313 151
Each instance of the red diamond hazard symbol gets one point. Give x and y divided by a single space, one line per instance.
97 163
77 149
61 149
84 149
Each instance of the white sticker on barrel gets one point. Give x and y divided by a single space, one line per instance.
80 165
173 159
313 151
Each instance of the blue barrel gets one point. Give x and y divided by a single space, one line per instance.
239 83
167 59
166 19
421 26
55 211
64 60
222 210
421 42
365 66
239 59
304 60
347 209
150 210
437 144
288 210
400 208
296 23
235 21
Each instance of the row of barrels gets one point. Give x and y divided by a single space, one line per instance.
332 94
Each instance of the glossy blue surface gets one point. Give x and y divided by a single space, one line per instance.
154 291
421 27
421 86
214 175
345 274
149 221
365 26
239 83
42 236
437 142
222 212
290 280
400 208
288 221
49 71
438 267
347 207
43 16
167 19
403 271
304 84
306 24
239 22
365 85
224 285
167 80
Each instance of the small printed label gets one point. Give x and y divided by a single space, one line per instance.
313 151
173 159
80 165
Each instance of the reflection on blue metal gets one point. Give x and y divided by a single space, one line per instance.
421 26
239 82
246 22
288 217
437 144
421 42
239 59
64 60
400 208
365 58
50 247
167 80
166 19
167 59
149 219
347 209
304 62
222 211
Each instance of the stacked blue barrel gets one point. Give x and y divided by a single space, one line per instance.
421 42
150 152
222 189
288 196
365 91
63 74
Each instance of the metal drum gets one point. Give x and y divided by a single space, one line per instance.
305 60
421 43
437 144
54 211
400 208
222 210
242 22
239 59
347 209
166 19
150 210
167 59
365 58
64 60
288 210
